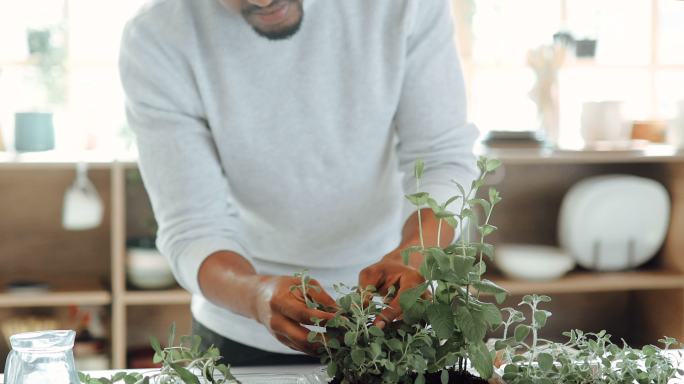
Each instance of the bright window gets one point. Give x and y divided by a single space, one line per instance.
639 59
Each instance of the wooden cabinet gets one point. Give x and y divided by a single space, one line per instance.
88 268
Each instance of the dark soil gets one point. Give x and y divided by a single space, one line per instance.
455 377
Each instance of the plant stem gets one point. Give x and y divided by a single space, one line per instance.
439 232
420 219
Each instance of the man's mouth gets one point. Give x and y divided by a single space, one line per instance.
272 15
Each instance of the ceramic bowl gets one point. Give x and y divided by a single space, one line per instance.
533 262
148 269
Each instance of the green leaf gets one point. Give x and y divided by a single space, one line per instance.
394 344
492 165
350 338
420 379
155 345
486 206
442 320
460 188
358 356
540 317
409 297
494 196
486 249
451 200
488 286
444 377
486 229
473 329
172 335
444 214
545 361
418 199
184 374
451 221
432 203
521 332
375 331
419 168
492 315
376 350
481 359
332 369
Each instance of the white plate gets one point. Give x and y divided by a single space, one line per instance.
614 222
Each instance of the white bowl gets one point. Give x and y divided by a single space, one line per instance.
533 262
148 269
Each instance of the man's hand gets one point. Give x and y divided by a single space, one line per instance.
390 272
230 281
282 309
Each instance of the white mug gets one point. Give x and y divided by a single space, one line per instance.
603 121
675 132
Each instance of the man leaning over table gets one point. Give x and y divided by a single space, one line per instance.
280 135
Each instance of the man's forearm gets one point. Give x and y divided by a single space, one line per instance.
229 280
411 235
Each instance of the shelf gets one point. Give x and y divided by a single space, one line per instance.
96 160
651 154
61 294
61 160
165 297
583 282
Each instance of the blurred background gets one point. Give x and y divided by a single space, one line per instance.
565 92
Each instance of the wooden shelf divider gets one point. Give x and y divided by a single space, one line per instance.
162 297
60 294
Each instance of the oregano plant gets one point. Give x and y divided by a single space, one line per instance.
184 362
445 319
441 335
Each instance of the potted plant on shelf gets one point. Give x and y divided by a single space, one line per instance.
34 130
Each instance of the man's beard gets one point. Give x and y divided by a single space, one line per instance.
278 34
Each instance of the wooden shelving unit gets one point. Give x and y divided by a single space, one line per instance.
532 183
588 282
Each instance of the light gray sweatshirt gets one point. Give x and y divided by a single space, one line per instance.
295 154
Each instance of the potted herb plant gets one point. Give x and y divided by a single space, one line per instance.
34 129
441 338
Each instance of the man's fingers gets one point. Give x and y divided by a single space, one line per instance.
370 276
321 296
294 336
387 315
297 311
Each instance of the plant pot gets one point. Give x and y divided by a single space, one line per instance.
33 132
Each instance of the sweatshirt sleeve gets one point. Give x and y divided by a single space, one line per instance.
178 158
431 118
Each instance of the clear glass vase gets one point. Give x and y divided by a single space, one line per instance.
41 357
